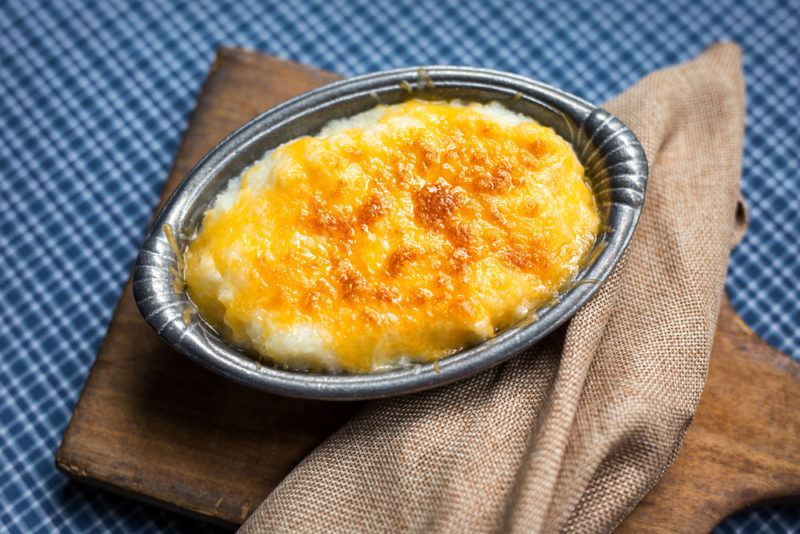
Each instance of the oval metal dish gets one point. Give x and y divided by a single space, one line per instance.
615 164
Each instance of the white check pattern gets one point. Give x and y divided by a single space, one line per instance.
95 95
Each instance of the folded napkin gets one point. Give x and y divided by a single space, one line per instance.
572 434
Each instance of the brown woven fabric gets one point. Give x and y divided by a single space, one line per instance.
570 436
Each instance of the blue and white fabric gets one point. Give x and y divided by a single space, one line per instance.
94 98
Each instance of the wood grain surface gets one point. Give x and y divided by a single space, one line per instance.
153 425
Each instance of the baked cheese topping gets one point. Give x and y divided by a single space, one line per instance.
404 233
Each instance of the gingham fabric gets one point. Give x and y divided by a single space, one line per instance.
94 97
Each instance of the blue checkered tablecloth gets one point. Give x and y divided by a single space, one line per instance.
94 98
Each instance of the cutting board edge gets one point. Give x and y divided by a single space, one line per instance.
106 483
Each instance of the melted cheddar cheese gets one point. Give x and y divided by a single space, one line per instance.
403 234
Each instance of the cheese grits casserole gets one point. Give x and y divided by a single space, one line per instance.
401 234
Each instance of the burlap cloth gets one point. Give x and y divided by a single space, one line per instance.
570 436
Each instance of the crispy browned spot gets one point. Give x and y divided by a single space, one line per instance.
351 283
397 259
461 237
387 294
459 233
329 220
375 207
434 204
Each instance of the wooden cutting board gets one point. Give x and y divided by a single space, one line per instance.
152 425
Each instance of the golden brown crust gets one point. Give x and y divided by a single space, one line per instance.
375 207
434 204
402 255
351 283
430 227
